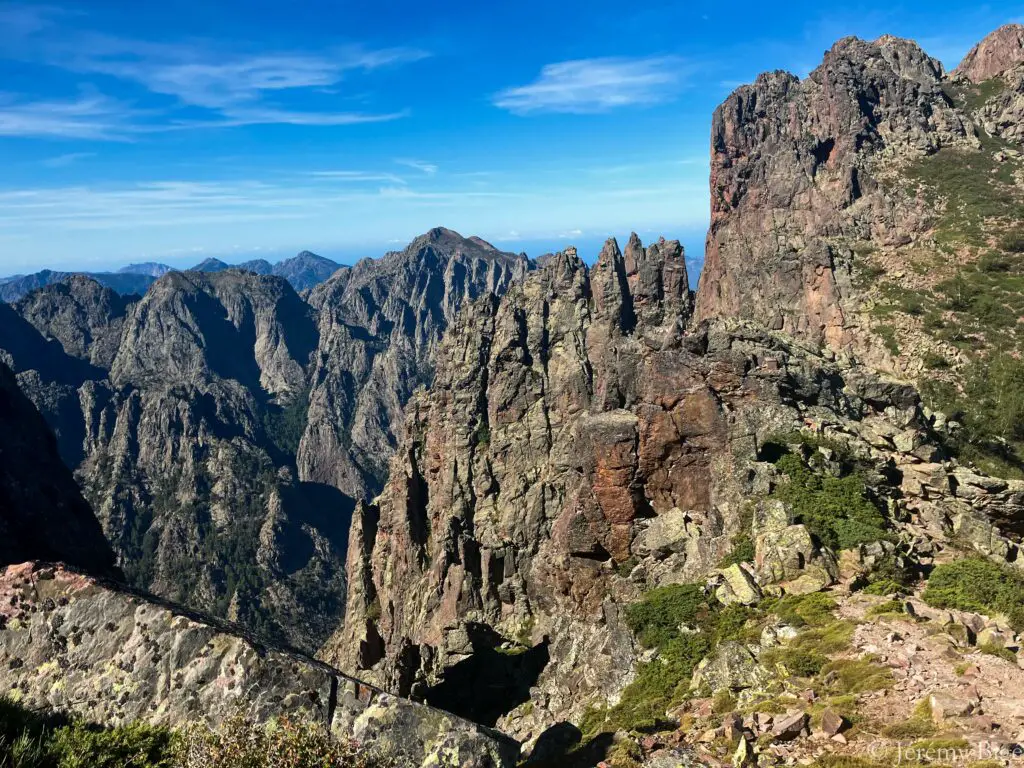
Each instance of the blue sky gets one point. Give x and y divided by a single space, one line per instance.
183 129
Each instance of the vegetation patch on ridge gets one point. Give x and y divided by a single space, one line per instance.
978 585
837 509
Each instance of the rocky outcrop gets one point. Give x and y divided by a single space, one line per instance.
72 644
795 183
581 445
42 512
380 323
998 52
577 448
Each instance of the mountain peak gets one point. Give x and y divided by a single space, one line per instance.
450 241
210 265
998 52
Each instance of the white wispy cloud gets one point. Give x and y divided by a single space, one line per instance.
597 85
203 77
86 117
358 176
424 167
62 161
207 84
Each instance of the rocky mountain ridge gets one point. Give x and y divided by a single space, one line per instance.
303 271
184 413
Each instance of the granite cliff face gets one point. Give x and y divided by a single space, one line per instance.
587 441
996 54
563 420
182 414
380 323
187 455
795 185
75 640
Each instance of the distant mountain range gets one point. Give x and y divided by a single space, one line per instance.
303 271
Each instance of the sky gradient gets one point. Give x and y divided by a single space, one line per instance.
181 130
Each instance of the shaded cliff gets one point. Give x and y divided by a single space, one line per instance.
42 513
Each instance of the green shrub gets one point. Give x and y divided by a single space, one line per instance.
288 743
134 745
829 639
1013 242
665 681
30 740
659 684
855 676
742 551
723 702
884 587
656 619
845 761
798 662
815 609
836 510
736 622
994 262
992 649
990 408
912 728
982 586
888 607
888 336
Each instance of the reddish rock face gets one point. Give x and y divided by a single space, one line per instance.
1000 51
793 182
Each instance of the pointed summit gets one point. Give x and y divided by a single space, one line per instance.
1000 51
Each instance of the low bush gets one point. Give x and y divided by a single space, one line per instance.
829 639
836 510
240 743
919 725
855 676
994 649
978 585
656 619
887 608
883 587
1012 242
798 662
815 609
30 740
